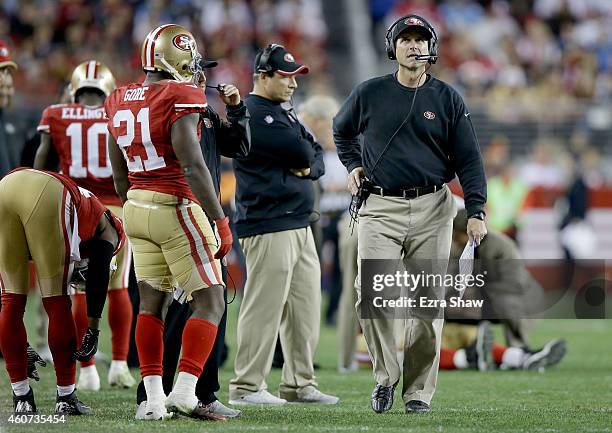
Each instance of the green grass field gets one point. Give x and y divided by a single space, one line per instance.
575 396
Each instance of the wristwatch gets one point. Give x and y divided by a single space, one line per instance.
480 215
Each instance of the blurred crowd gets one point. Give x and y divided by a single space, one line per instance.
526 59
50 37
515 56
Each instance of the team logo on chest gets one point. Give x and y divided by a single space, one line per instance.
269 119
429 115
207 122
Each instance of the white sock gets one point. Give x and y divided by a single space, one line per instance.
185 384
21 388
513 357
154 387
90 370
65 390
118 365
460 359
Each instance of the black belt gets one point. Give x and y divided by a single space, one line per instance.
409 193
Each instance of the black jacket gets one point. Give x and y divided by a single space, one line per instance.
436 142
269 198
231 138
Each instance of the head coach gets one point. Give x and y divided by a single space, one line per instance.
274 201
417 134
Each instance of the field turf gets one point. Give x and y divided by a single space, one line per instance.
575 396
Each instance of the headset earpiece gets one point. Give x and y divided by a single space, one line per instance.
262 64
389 43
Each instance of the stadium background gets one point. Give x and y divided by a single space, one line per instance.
536 74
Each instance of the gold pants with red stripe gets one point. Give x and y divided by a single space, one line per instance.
172 241
35 215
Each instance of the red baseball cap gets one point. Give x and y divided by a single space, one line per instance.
5 56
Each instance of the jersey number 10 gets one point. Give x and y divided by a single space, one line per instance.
75 133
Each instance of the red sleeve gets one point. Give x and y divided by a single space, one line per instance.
109 104
45 122
184 99
120 231
89 210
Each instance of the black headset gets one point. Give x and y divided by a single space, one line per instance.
391 36
262 64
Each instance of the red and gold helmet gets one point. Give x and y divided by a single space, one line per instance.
92 74
171 48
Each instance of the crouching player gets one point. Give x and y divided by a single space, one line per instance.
45 216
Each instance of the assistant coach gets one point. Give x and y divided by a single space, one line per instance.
417 134
274 202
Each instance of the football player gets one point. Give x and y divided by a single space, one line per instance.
76 134
45 216
155 154
466 346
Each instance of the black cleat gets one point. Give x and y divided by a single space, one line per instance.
551 354
71 405
382 398
417 406
24 404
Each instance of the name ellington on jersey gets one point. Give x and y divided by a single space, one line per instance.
80 113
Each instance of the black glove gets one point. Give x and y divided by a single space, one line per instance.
33 359
89 345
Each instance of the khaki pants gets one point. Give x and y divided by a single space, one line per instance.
398 229
348 325
282 292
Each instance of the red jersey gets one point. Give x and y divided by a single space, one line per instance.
88 207
78 134
140 119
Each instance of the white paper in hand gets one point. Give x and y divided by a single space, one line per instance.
466 262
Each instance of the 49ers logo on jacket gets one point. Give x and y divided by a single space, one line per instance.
182 42
429 115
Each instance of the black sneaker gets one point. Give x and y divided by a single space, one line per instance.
382 398
551 354
71 405
417 406
479 354
24 404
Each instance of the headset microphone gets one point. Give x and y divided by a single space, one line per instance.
425 57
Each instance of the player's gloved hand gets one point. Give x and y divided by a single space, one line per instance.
226 237
33 359
89 345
